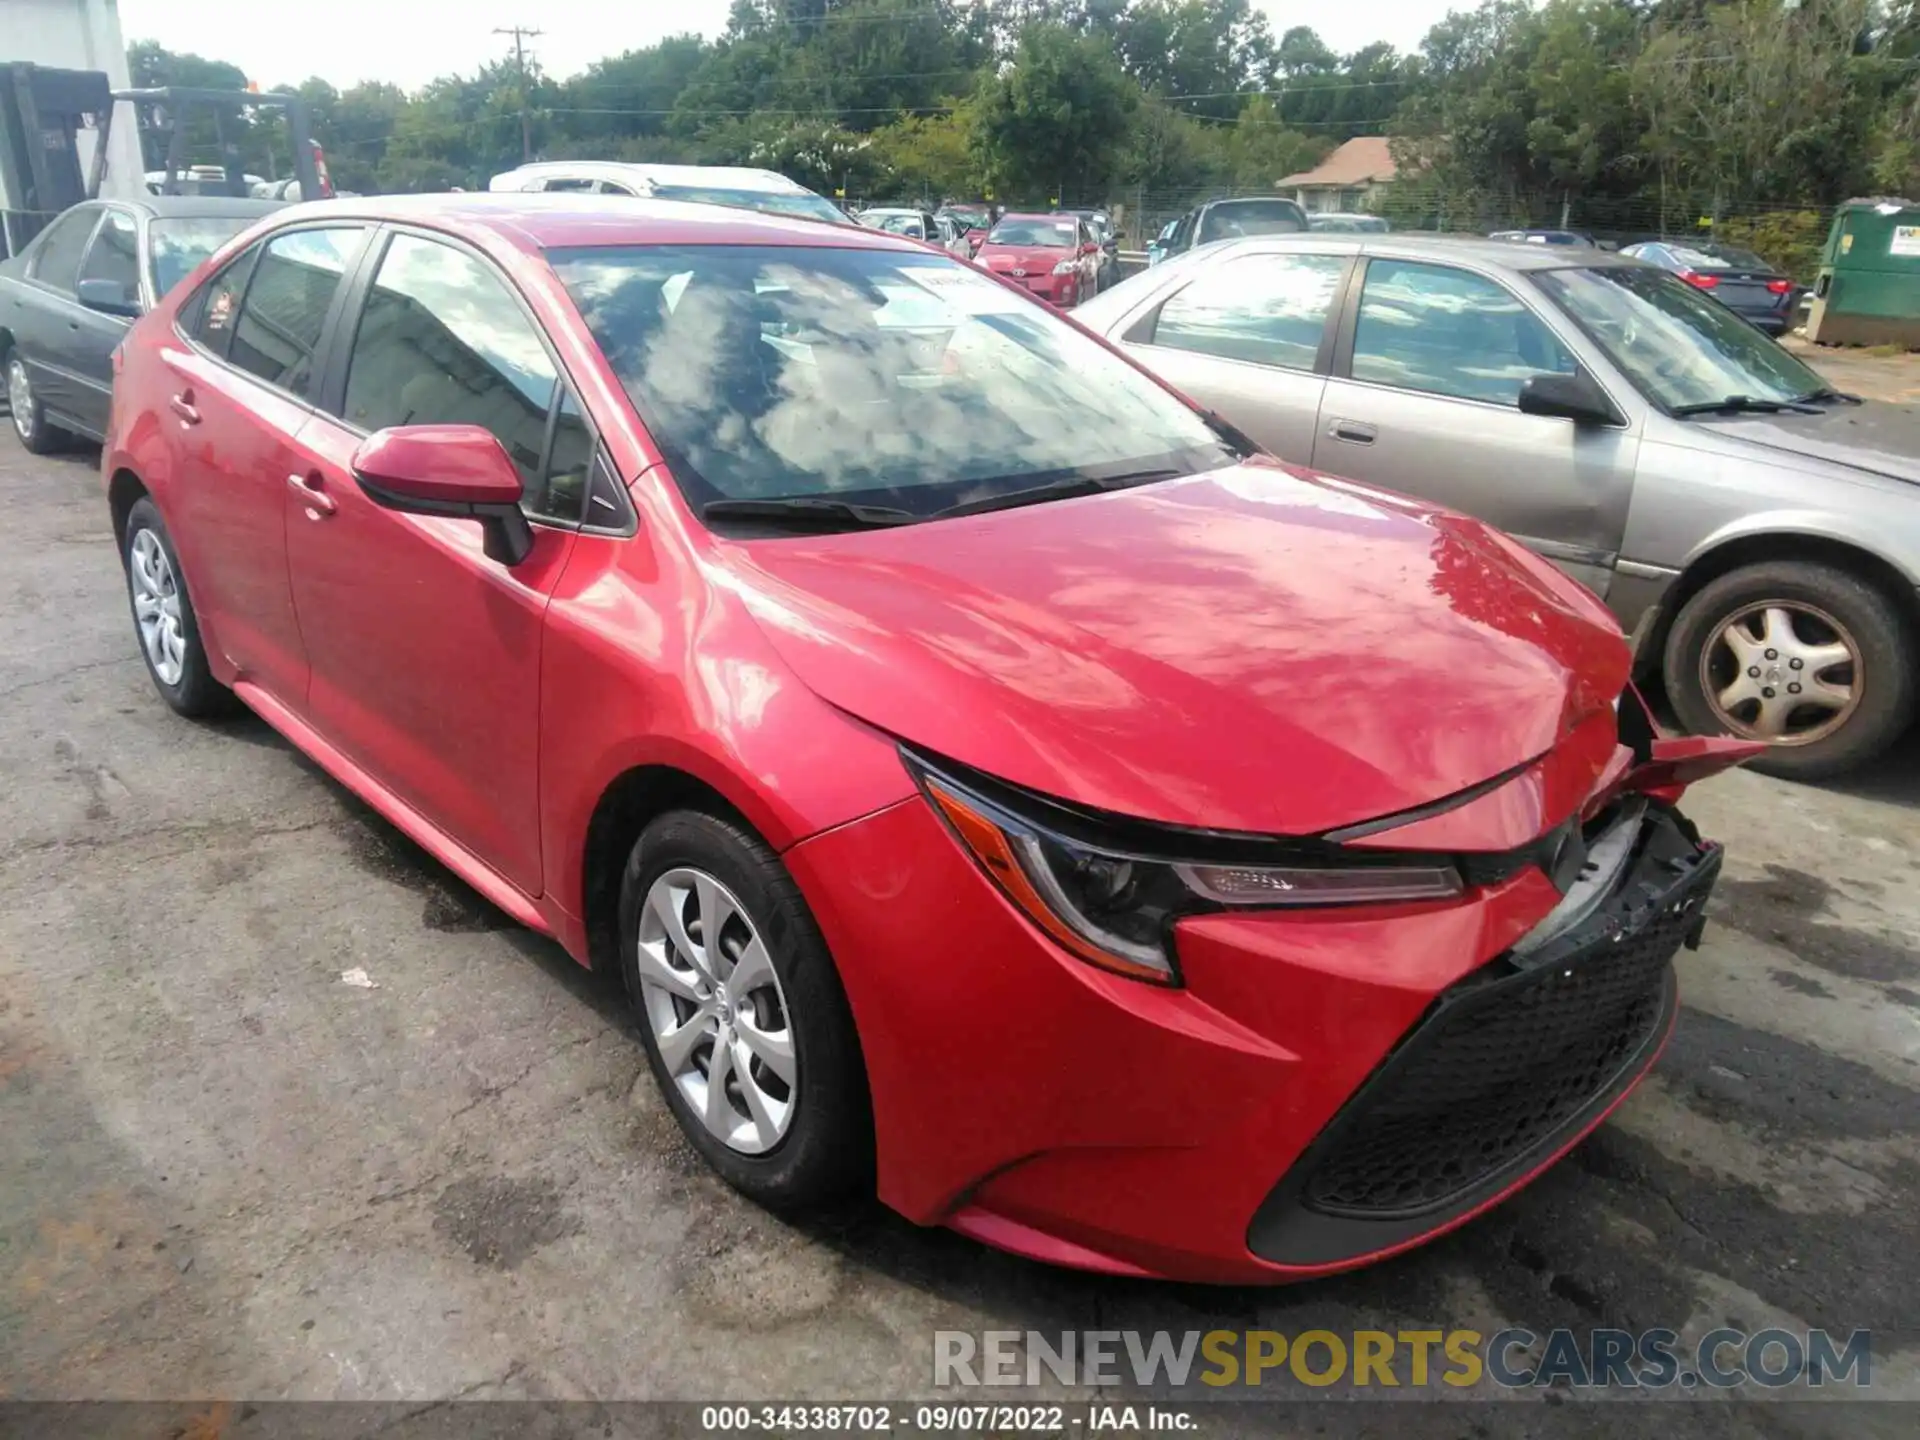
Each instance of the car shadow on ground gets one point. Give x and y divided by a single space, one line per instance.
1894 777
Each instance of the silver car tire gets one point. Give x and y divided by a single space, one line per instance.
1808 657
29 417
729 977
164 623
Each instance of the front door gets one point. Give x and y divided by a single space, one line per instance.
425 652
113 257
1244 338
1427 405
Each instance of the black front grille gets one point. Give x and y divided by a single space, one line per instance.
1506 1062
1493 1076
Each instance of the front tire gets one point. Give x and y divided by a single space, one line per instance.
1806 656
164 622
30 425
746 1027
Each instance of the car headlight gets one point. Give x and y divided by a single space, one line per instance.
1066 267
1114 906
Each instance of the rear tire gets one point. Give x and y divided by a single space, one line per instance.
1826 603
30 425
818 1148
164 624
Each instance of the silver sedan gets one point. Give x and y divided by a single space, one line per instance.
1756 533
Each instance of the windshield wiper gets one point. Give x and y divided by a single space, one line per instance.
1827 392
809 510
1065 488
1746 405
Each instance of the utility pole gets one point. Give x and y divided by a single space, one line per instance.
520 34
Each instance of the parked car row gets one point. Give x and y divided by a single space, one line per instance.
1753 529
750 604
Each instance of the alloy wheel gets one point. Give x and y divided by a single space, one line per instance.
20 398
156 606
1785 672
716 1009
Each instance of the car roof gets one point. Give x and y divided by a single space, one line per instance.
161 207
738 177
1472 249
540 220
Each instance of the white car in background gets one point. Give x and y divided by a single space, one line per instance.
736 185
918 225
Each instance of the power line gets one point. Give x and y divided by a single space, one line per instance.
521 33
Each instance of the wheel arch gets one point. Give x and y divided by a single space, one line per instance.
630 802
124 491
1725 555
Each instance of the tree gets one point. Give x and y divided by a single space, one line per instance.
1752 103
930 157
1052 121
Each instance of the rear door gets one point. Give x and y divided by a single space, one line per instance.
241 394
425 652
1424 400
1251 338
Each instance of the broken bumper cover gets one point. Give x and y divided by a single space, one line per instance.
1508 1067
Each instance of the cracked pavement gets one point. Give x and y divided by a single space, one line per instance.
223 1172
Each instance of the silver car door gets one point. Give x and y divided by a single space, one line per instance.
1426 376
1248 337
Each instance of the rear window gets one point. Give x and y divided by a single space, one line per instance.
1252 217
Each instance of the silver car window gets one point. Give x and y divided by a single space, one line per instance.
1268 309
1448 331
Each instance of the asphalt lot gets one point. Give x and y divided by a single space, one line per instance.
225 1172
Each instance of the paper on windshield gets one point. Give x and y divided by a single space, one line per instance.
964 290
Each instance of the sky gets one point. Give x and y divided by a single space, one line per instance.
409 42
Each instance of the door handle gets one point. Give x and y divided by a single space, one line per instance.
319 504
182 405
1353 432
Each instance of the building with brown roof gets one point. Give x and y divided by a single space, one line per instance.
1350 179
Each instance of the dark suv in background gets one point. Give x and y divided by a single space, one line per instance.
1228 220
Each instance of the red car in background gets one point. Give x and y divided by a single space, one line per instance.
997 785
1053 256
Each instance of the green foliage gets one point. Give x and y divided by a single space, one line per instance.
1615 114
1050 122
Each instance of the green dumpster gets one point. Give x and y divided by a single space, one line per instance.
1868 292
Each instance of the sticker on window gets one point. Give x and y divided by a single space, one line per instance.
220 311
966 292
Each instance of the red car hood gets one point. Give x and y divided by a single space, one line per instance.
1254 649
1034 259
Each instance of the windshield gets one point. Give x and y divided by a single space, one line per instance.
1054 234
1679 347
804 203
1252 217
175 245
876 376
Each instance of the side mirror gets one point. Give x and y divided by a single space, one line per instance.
458 470
1567 397
1092 247
109 297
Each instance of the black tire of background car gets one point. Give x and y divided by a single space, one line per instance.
41 438
196 695
826 1156
1886 703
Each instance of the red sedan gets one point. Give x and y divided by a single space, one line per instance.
997 785
1052 256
